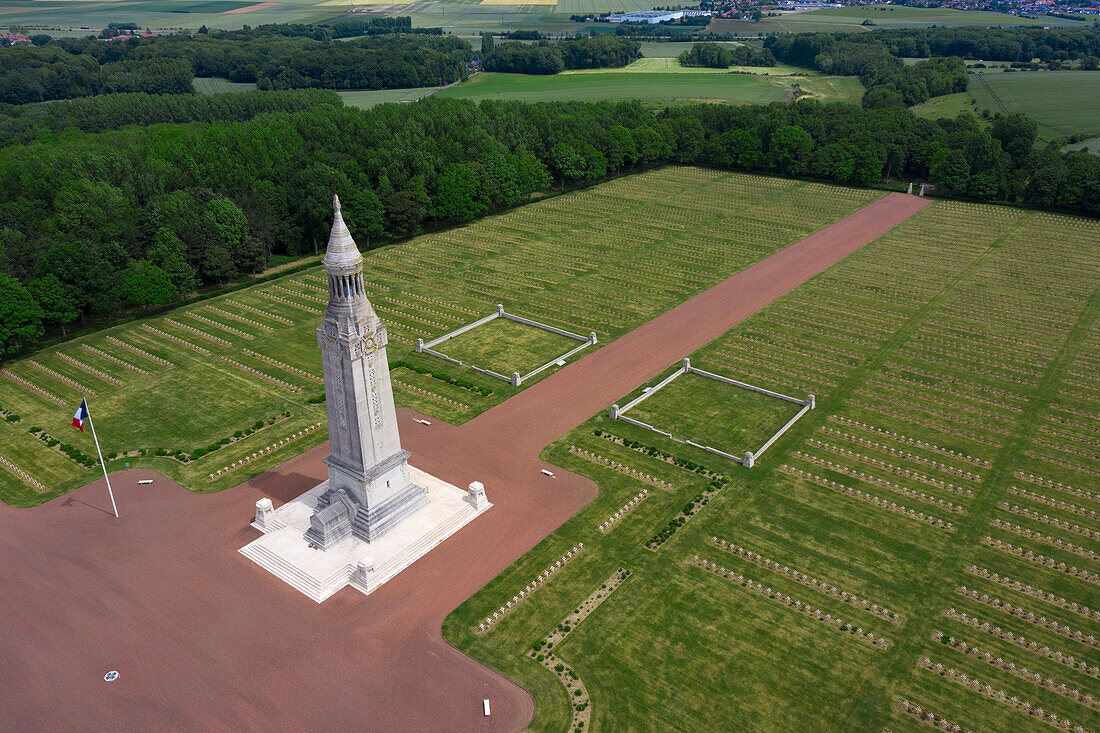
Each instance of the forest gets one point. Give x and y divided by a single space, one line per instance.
26 122
715 56
68 68
888 79
544 57
93 222
989 44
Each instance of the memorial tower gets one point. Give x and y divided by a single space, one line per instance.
369 485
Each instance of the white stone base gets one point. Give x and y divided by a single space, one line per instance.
284 551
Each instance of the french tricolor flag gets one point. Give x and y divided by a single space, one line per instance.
81 415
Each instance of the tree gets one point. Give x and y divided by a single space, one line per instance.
567 163
144 283
487 43
1090 63
790 149
456 194
743 149
169 253
55 299
1016 133
229 219
20 315
949 170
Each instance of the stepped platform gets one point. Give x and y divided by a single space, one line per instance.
284 551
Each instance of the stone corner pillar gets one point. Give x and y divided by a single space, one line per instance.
686 364
500 309
364 571
516 379
811 401
591 337
419 345
614 414
264 512
750 459
475 496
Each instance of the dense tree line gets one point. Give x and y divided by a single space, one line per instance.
92 222
69 68
989 44
888 80
715 56
544 57
23 123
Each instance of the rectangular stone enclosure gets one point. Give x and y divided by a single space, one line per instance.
516 379
749 459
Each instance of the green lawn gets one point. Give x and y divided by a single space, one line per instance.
1062 102
651 87
938 379
505 346
705 411
598 260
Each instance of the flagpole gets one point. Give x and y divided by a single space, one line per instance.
101 463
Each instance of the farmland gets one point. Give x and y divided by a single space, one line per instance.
204 390
650 87
1062 102
931 523
850 19
656 81
461 16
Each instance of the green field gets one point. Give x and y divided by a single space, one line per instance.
954 366
1062 102
597 260
463 16
651 87
850 19
367 98
949 105
217 85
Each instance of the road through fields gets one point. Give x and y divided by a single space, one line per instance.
204 639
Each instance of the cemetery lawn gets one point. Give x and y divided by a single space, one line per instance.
705 411
505 346
606 259
943 383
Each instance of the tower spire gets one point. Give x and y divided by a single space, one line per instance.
341 256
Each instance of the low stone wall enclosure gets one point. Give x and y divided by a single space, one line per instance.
516 379
750 457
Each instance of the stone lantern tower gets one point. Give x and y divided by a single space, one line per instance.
369 486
